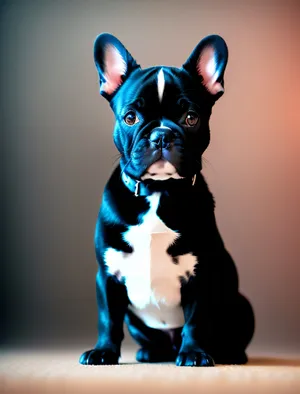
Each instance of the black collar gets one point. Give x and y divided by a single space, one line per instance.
146 188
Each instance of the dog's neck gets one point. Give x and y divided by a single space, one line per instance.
147 187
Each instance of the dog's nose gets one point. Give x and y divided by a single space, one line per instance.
161 137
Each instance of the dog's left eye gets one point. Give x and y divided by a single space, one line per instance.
131 118
191 119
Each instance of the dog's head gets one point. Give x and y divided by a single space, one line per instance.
162 113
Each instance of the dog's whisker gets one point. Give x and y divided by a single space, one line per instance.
116 158
208 164
124 168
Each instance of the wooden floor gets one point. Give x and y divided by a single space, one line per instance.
56 372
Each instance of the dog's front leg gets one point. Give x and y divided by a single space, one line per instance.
112 303
195 330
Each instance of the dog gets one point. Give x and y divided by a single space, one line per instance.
163 267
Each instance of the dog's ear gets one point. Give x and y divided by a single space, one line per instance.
208 61
113 62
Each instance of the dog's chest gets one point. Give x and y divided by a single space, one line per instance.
153 277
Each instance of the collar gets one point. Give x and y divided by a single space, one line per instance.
140 188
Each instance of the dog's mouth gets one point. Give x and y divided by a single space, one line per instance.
161 170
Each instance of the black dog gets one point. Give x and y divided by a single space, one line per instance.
163 267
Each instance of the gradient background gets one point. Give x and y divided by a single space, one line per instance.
58 153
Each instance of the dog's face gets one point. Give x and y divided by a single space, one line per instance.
162 113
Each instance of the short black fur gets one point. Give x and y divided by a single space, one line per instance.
219 321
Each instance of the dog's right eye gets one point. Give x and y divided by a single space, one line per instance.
131 118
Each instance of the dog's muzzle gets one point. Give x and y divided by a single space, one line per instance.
161 138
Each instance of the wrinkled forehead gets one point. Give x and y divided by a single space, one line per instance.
155 85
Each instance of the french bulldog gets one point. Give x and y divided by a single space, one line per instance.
163 267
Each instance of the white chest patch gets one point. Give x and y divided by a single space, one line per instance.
152 277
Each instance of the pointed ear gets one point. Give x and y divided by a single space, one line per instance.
113 62
208 61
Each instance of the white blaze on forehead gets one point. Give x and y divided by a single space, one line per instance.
160 84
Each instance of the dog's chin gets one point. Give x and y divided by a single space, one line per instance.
161 170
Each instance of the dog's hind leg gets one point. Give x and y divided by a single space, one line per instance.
156 345
232 332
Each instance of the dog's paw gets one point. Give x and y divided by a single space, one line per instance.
98 357
194 359
144 355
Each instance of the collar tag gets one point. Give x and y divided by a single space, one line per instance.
194 179
136 190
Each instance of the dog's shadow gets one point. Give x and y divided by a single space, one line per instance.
253 362
273 362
